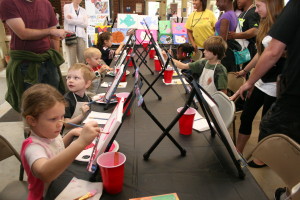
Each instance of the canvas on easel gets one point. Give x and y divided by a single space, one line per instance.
152 22
142 35
127 20
164 38
119 35
164 27
109 130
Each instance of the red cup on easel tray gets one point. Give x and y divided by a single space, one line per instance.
152 53
186 121
157 64
168 75
123 78
112 171
128 57
145 45
124 95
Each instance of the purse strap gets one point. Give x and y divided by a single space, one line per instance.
243 47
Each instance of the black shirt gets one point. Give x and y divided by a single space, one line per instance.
70 108
287 30
107 54
251 20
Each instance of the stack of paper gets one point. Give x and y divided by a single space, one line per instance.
99 117
107 84
200 123
176 82
77 188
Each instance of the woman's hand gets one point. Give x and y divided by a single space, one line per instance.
246 88
231 35
241 73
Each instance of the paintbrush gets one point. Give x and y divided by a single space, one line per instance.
76 125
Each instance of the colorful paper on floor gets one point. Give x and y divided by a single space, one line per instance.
99 117
77 188
175 82
172 196
200 123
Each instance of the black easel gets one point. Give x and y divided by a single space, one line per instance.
113 90
196 91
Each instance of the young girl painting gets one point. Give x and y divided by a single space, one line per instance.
45 154
104 45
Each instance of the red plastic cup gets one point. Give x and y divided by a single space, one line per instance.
157 64
124 95
130 63
151 53
123 78
186 121
168 75
112 171
145 45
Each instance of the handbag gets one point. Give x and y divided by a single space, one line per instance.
71 39
242 56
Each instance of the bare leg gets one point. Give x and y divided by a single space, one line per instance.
241 142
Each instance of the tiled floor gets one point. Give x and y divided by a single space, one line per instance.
13 131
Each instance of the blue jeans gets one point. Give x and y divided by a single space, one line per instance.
47 74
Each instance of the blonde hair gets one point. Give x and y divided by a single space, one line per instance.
274 8
90 52
217 45
86 71
39 98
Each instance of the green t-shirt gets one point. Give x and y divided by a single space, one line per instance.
220 76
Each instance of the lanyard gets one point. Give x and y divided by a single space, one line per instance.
77 13
197 20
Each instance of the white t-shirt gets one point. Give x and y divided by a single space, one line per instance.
43 148
268 88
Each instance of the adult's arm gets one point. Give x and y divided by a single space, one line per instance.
224 27
191 39
54 41
18 27
266 61
250 33
71 19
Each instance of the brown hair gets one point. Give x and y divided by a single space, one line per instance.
204 4
39 98
86 71
90 52
102 37
217 45
274 8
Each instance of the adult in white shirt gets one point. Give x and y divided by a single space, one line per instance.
75 20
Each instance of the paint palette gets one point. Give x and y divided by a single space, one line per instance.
85 155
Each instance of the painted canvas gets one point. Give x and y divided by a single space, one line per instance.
109 131
180 38
127 21
165 39
144 36
101 29
178 28
119 35
151 21
164 27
